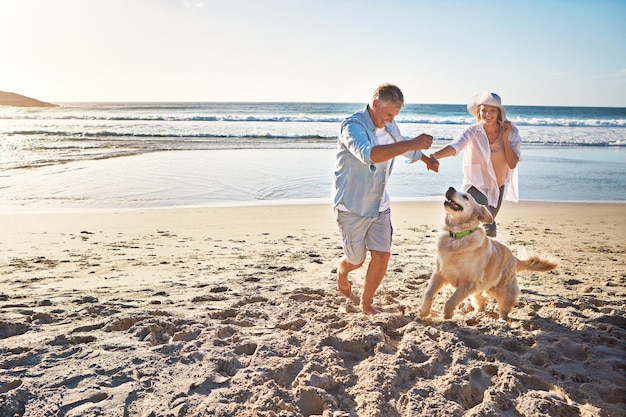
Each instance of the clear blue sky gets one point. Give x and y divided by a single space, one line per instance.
543 52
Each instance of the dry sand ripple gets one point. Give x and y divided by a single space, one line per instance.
179 321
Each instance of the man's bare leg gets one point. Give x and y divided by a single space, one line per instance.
374 276
343 285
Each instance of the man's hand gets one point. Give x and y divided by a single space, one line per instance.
422 141
381 153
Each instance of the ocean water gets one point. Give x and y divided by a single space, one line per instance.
128 155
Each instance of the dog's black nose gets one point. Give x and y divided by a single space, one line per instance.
451 190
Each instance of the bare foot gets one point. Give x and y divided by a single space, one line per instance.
369 309
343 285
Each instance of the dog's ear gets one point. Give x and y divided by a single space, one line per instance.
484 215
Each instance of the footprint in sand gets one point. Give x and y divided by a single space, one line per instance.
228 367
11 385
12 329
471 394
573 350
246 348
310 402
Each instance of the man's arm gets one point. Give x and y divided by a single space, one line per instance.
382 153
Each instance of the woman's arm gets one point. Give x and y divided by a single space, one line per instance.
444 152
510 156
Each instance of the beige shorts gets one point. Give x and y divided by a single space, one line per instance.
360 234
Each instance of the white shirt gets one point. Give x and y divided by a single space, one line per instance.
478 168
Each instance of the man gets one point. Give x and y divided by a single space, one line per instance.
367 145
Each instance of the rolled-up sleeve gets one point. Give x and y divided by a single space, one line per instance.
460 141
412 156
354 137
515 140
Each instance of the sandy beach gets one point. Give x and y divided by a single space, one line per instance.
233 311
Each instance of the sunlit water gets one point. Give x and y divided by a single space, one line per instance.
126 155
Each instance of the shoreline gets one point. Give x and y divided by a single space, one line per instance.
21 210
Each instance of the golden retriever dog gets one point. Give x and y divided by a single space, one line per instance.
473 263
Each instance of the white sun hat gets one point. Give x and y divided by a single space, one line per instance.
488 98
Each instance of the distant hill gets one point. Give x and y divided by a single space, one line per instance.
12 99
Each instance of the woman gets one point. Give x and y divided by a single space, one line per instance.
492 151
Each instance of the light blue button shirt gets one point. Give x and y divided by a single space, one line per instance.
359 184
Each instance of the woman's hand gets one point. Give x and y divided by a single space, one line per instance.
507 127
511 158
431 163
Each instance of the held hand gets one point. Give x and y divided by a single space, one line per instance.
423 141
431 163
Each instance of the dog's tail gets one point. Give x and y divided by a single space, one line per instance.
534 262
531 261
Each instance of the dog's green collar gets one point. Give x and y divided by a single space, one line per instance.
463 233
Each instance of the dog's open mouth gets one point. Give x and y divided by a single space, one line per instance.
451 204
450 200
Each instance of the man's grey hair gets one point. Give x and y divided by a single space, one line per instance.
389 93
